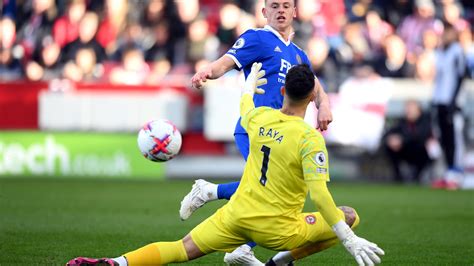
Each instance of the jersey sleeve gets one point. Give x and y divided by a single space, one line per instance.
324 202
246 108
246 49
314 157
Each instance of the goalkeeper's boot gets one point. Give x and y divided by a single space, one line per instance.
270 262
197 197
242 255
82 261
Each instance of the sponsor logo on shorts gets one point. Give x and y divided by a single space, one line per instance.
310 219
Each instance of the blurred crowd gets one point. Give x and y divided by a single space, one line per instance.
142 41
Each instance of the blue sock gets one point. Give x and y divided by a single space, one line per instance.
251 244
225 191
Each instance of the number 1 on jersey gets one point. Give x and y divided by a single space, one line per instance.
266 157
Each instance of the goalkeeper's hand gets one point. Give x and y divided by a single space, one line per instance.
364 252
254 80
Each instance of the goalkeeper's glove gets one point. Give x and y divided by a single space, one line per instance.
255 80
364 252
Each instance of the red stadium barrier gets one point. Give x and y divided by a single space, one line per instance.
19 99
19 104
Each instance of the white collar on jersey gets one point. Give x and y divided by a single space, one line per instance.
272 30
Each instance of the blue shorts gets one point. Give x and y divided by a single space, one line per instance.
242 142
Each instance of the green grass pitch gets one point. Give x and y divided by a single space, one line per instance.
48 222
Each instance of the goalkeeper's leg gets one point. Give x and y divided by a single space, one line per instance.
209 236
287 257
159 253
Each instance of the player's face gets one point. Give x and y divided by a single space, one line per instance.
279 13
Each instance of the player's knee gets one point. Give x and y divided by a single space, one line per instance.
350 215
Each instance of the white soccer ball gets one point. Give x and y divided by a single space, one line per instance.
159 140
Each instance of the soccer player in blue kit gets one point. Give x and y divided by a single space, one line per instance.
272 47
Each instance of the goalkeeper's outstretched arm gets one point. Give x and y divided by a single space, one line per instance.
364 252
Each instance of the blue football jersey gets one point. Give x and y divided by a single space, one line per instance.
265 45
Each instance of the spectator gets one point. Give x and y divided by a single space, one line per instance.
303 24
407 142
201 44
466 41
133 69
87 38
357 9
162 47
10 67
354 51
66 28
133 35
7 32
160 68
393 62
35 25
246 22
424 70
159 19
396 10
46 63
412 27
450 72
84 67
177 16
260 20
375 31
229 17
8 8
154 13
452 16
323 63
330 20
112 25
188 10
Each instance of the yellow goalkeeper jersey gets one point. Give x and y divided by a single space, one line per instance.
284 153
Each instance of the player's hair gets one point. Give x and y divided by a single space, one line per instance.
294 2
299 82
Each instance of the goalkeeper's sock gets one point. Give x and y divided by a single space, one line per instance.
158 253
251 244
225 191
281 258
121 261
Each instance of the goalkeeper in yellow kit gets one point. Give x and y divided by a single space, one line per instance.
287 159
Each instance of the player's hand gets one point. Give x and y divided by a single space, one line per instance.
324 117
364 252
254 80
201 77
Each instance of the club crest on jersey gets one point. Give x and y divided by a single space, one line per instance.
310 219
320 158
298 59
239 43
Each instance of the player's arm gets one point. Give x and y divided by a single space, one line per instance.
315 168
251 86
324 202
214 70
321 100
363 251
322 103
